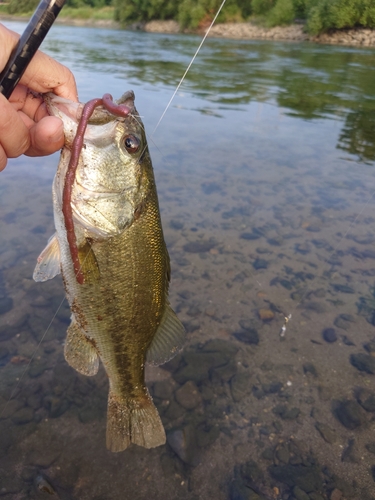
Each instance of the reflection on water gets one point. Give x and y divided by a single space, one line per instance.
266 199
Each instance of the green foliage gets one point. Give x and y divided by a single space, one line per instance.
320 15
338 14
189 13
282 13
21 6
261 7
29 6
127 11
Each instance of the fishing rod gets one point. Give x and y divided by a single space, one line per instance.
34 34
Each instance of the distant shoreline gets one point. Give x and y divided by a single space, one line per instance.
242 31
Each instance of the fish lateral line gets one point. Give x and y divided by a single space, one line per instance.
115 109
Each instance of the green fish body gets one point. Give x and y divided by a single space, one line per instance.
121 313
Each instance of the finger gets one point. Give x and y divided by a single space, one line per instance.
3 159
28 102
46 137
14 134
43 74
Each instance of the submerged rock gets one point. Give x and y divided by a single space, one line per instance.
183 443
199 246
349 413
366 399
240 386
363 362
188 396
329 335
249 336
23 416
328 434
307 478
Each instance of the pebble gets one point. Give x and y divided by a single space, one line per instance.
349 413
188 396
43 486
370 346
266 314
163 389
182 442
260 264
200 246
336 495
300 494
207 435
285 413
371 447
350 453
176 224
363 362
326 432
310 368
248 336
329 335
23 416
343 288
307 478
10 408
366 399
240 386
6 305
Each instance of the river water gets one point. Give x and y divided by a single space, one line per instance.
265 171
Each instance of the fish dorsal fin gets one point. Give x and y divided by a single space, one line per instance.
79 351
168 340
48 263
88 262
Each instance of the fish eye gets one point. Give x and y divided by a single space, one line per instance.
131 143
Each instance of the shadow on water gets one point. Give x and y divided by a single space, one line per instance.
263 165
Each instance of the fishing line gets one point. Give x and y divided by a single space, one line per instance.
189 66
157 125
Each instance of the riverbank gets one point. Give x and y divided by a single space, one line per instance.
244 31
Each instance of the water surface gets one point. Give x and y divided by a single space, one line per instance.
264 166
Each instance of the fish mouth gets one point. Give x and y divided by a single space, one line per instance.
68 110
63 108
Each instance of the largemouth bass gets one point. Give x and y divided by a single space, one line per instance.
120 309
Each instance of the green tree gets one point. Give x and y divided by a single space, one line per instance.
337 14
19 6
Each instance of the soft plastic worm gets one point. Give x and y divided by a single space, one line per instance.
88 109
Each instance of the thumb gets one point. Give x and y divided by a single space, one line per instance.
46 137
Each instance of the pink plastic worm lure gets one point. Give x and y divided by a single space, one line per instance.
115 109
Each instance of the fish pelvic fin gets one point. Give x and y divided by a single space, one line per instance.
79 351
133 421
48 263
168 340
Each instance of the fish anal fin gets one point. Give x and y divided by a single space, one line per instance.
168 340
88 262
80 352
48 263
133 421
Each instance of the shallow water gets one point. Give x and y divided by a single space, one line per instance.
264 166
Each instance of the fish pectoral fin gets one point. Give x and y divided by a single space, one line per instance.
133 421
89 264
80 352
168 340
48 263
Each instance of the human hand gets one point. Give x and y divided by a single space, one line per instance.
25 126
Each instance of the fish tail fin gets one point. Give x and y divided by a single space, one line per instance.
133 421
